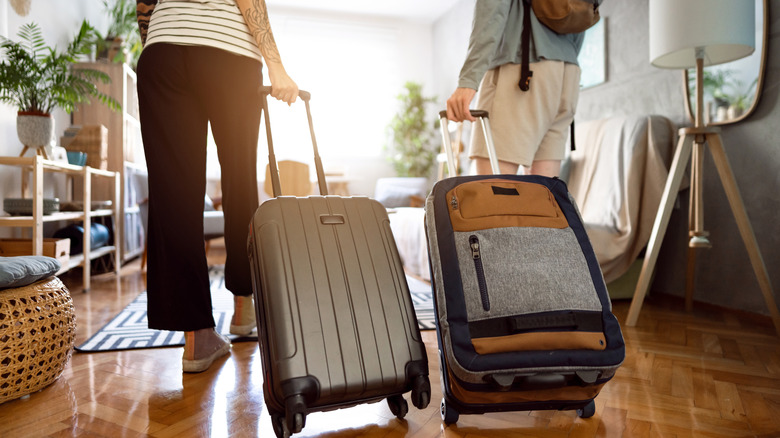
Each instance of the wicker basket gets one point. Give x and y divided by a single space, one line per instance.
37 333
90 139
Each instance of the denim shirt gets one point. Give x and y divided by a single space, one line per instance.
496 40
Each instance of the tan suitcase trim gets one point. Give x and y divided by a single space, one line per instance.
488 203
568 393
541 341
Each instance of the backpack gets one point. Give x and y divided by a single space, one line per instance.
566 16
562 17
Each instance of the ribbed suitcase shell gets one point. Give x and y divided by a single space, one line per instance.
336 322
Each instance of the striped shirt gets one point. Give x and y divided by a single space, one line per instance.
213 23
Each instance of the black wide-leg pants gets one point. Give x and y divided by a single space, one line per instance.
181 89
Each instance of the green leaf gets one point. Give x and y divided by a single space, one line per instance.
35 77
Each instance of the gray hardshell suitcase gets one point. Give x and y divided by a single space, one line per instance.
336 323
523 318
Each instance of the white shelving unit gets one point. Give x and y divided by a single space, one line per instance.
125 148
37 166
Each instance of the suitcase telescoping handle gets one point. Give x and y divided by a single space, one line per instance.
483 119
274 169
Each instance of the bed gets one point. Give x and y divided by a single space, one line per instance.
408 228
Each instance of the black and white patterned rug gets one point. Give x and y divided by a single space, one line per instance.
128 330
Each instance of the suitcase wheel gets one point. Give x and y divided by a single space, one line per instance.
448 414
398 406
280 426
588 410
421 392
295 413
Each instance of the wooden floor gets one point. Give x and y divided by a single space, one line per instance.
707 374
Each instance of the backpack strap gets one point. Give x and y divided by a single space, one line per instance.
525 71
573 147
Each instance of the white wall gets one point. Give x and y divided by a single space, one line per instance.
355 66
414 61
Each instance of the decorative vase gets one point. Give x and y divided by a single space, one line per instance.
734 112
34 130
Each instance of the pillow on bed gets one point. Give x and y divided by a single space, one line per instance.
398 192
23 270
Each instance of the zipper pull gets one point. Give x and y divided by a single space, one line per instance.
454 202
474 243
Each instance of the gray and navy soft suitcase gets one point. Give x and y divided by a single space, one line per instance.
336 323
523 318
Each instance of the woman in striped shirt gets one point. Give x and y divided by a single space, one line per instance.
202 64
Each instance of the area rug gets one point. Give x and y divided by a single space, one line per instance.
128 330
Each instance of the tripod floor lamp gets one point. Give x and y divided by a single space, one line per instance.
693 34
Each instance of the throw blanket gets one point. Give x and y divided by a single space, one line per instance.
617 176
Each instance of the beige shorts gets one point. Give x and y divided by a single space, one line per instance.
528 125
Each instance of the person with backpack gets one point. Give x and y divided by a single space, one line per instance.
529 81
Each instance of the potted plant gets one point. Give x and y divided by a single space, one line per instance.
37 78
412 150
740 98
122 41
714 85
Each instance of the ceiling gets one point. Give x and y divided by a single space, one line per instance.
426 10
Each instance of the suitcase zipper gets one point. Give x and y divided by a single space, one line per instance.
477 257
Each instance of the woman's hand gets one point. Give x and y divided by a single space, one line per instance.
282 85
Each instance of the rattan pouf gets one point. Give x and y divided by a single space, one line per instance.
37 333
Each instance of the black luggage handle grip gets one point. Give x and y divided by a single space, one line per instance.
474 113
265 90
482 115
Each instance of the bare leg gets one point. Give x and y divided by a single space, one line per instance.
481 166
548 168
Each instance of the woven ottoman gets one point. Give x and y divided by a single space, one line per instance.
37 333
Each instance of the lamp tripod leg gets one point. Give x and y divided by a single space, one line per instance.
743 223
696 226
698 237
680 161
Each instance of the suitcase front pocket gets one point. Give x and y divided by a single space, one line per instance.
494 203
516 271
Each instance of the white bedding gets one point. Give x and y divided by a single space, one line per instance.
408 228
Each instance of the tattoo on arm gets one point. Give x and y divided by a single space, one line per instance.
143 13
257 20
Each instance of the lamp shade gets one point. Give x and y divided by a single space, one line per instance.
721 30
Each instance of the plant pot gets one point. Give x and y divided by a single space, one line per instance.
110 49
34 130
734 112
